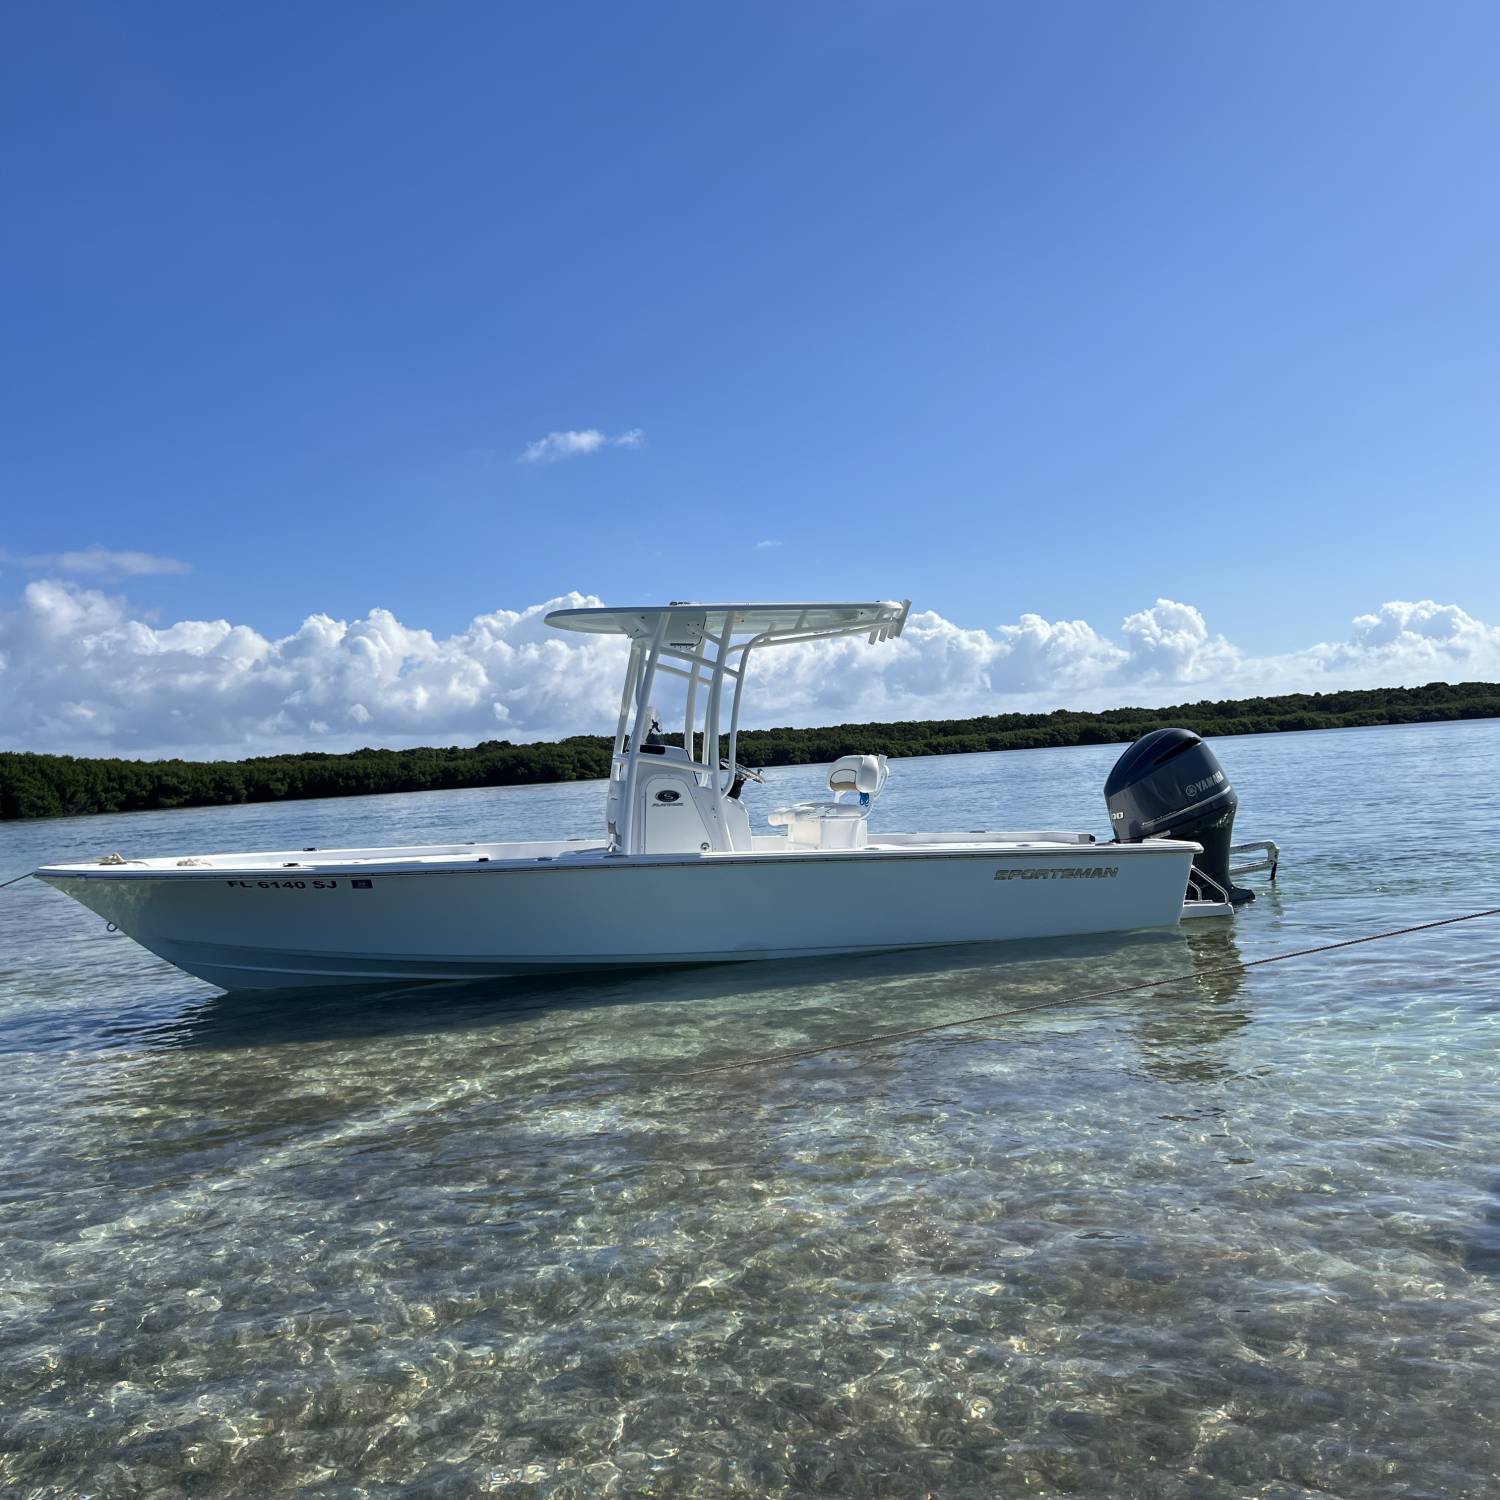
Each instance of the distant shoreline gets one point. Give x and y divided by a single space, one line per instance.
41 786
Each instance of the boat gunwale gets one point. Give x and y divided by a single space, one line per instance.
602 860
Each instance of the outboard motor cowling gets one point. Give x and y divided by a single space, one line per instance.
1170 785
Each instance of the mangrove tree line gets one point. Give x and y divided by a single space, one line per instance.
39 786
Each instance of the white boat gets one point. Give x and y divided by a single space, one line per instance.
678 878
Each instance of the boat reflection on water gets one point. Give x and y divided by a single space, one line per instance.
265 1018
787 1005
1185 1030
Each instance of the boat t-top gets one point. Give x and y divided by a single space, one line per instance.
680 875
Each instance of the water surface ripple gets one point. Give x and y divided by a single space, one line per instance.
1235 1237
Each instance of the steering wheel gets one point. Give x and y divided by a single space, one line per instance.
740 770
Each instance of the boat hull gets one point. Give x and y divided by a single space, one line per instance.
262 930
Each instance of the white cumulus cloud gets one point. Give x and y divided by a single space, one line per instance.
572 443
81 673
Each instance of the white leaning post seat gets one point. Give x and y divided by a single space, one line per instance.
838 824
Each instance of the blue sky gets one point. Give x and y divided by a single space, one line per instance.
1010 308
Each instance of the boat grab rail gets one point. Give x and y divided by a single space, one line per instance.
1269 851
1206 885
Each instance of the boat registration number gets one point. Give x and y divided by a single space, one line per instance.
284 885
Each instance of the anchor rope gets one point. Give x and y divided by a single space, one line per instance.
913 1032
14 879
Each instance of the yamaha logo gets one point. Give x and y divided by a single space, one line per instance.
1194 788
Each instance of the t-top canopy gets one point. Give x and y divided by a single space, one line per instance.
883 619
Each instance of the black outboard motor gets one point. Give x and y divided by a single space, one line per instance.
1170 785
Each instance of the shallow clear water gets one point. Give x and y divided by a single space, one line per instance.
1236 1236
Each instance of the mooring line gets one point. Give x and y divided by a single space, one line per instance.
13 879
911 1033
